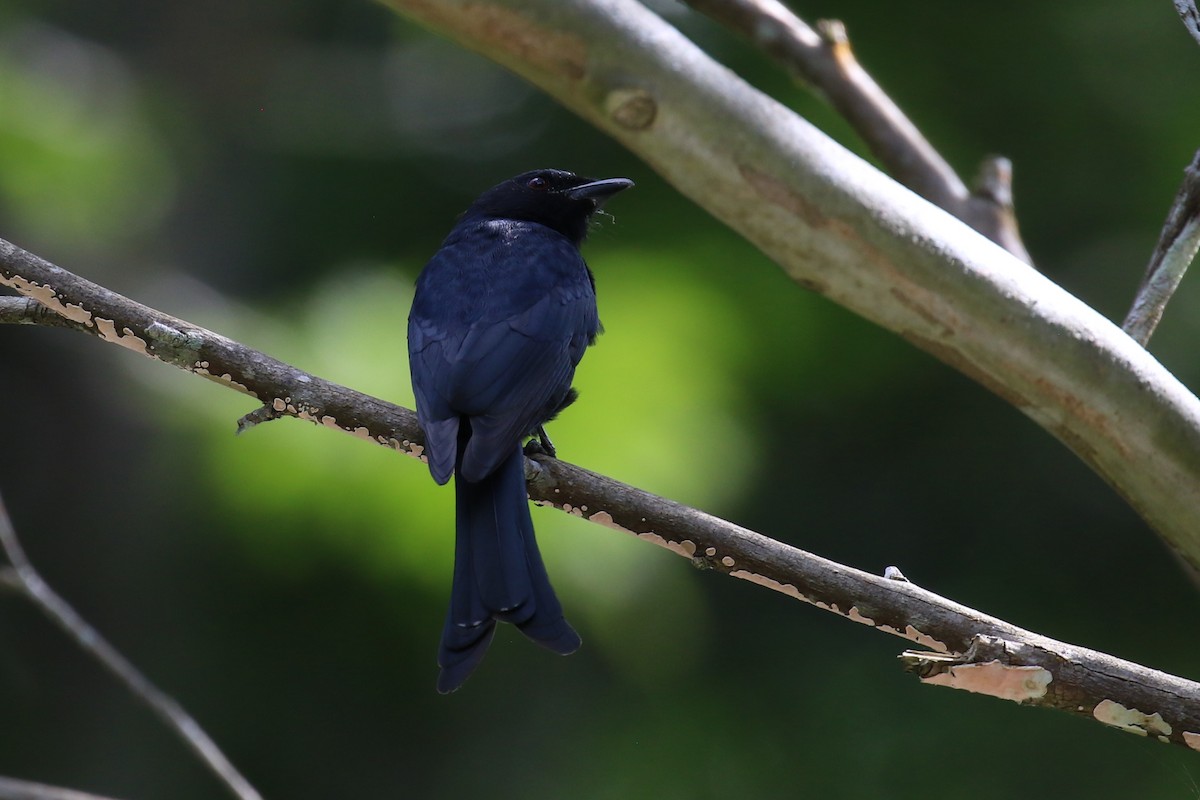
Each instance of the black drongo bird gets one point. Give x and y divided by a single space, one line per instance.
501 317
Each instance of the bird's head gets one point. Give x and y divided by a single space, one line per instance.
557 199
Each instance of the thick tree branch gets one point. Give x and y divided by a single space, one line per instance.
840 227
1072 679
23 577
823 60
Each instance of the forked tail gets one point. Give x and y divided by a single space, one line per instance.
498 575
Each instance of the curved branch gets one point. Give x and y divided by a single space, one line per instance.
840 227
1072 679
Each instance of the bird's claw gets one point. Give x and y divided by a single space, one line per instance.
540 444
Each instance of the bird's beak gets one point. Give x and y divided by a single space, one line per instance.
598 191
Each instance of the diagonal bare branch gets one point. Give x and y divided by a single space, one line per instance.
1076 680
1174 253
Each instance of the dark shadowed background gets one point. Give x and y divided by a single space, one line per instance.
279 172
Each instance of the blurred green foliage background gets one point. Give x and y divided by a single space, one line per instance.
280 171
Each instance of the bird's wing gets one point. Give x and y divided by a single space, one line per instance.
519 382
505 359
438 421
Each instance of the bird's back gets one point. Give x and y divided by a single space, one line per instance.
502 315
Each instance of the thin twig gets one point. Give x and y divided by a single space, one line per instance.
1176 249
13 789
1180 237
823 60
90 640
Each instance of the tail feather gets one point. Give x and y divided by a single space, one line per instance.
498 575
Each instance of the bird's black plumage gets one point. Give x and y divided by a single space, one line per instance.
501 317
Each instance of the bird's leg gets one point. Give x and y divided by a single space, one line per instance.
540 443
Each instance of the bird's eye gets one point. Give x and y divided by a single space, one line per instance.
537 183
